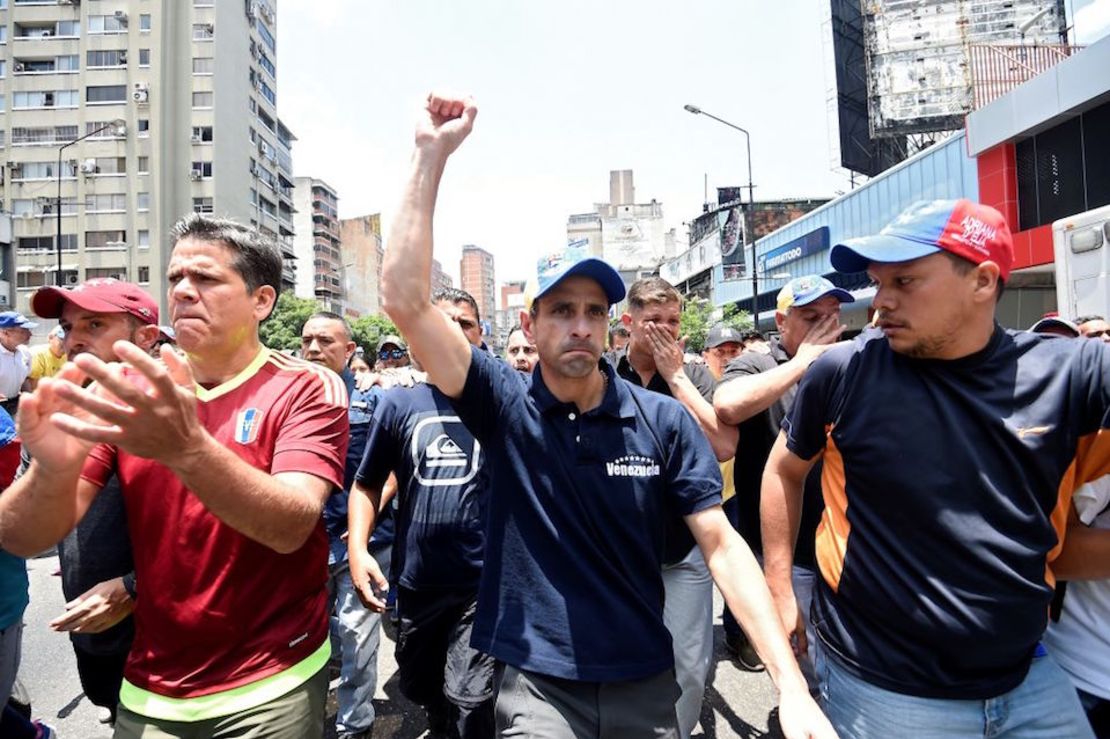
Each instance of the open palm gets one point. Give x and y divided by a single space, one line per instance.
49 445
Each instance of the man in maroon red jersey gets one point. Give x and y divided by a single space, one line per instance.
225 456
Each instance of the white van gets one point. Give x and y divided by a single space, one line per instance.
1082 250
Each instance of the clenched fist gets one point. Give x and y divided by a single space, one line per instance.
445 122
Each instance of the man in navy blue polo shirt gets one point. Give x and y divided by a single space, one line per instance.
584 469
951 448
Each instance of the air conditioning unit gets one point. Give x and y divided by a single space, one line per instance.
122 57
46 33
195 138
19 66
253 171
72 279
120 16
196 175
88 166
209 28
141 93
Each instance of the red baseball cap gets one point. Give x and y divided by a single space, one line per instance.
99 295
976 232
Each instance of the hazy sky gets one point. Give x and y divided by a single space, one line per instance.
567 90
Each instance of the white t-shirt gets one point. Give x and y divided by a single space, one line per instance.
14 368
1080 640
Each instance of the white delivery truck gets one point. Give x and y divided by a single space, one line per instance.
1082 251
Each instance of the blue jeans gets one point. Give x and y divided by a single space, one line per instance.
1043 706
356 630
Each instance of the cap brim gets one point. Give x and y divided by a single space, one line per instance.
840 294
48 302
1044 323
855 255
597 270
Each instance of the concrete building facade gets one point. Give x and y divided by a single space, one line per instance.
316 244
360 245
174 104
440 279
476 276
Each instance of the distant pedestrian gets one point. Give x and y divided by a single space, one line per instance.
1093 327
49 358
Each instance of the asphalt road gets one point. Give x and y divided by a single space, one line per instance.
738 703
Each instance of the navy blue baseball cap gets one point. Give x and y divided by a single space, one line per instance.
574 260
13 319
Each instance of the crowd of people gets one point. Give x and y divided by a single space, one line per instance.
891 520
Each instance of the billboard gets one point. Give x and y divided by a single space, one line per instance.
917 56
730 229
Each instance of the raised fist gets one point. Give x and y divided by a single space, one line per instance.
445 121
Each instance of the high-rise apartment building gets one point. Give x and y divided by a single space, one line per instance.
155 108
316 243
440 279
361 248
476 277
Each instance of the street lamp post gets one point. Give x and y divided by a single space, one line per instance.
748 235
58 206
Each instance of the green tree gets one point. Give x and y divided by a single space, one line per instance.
282 330
694 323
738 319
369 329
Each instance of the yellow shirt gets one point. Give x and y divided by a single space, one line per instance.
44 363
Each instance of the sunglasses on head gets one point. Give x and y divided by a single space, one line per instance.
392 354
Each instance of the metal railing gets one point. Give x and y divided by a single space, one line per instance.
997 69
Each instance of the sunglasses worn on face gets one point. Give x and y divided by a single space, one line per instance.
392 354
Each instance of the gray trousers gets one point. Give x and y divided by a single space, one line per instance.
10 645
688 615
542 707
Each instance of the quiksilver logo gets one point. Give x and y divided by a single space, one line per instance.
632 466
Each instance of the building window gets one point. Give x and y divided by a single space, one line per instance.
202 134
68 63
105 240
111 165
45 243
202 205
112 203
144 126
202 99
144 22
142 201
68 29
45 99
144 57
144 276
203 32
204 168
43 135
107 24
41 170
267 93
3 68
144 239
106 128
265 63
116 273
105 94
267 37
106 58
143 164
203 65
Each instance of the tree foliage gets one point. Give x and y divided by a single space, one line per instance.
694 323
282 330
368 329
738 319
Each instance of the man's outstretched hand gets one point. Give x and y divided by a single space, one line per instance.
445 122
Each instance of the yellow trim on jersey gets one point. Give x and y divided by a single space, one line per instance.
226 702
245 374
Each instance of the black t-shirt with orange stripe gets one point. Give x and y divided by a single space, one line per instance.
946 486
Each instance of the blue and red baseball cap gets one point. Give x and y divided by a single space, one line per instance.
575 260
804 290
976 232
